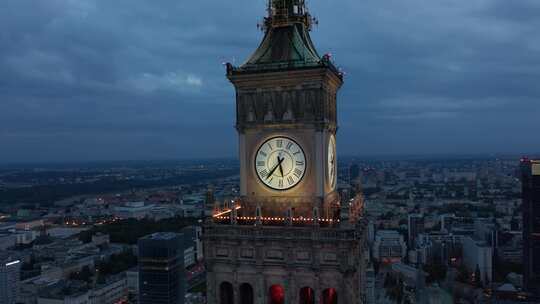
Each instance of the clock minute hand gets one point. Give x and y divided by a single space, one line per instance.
275 168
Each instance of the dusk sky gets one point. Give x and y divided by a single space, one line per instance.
138 79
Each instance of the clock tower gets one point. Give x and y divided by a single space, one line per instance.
286 118
289 237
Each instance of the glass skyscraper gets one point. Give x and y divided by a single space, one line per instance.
531 225
161 269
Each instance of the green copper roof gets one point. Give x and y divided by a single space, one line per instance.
287 46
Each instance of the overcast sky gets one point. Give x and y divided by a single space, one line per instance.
141 79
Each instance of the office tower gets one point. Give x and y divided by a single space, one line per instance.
530 179
9 279
161 269
415 227
288 237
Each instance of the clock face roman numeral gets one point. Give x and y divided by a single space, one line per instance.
290 180
280 163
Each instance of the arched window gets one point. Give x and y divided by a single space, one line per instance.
329 296
276 295
246 294
226 293
307 296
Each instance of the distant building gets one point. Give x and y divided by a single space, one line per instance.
415 227
132 277
30 224
389 246
485 229
435 247
354 173
457 225
370 285
478 254
413 282
192 245
136 210
371 232
9 279
161 269
7 240
530 170
100 239
64 292
113 290
209 201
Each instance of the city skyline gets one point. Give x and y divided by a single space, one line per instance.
120 184
95 80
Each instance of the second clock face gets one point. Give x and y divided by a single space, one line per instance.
280 163
331 162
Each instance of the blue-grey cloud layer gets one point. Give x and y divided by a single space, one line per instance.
137 79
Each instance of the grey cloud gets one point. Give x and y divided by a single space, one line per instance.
130 79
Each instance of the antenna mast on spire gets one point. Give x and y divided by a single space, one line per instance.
287 12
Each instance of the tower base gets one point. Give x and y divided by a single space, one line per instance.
265 264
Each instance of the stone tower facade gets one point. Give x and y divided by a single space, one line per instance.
289 237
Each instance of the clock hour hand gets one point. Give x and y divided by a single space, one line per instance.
281 167
275 168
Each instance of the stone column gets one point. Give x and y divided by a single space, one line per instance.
317 289
260 291
211 289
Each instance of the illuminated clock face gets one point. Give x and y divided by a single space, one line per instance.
332 162
280 163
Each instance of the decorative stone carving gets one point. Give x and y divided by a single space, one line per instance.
304 105
250 116
288 115
269 116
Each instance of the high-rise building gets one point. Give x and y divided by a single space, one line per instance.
478 254
389 246
9 279
415 227
531 224
354 173
161 269
288 237
209 201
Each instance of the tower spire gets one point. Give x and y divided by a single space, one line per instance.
287 44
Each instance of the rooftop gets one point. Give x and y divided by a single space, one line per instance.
161 236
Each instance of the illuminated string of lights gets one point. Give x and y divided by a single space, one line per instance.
226 212
274 219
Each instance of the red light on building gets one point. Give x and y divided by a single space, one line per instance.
329 296
277 294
